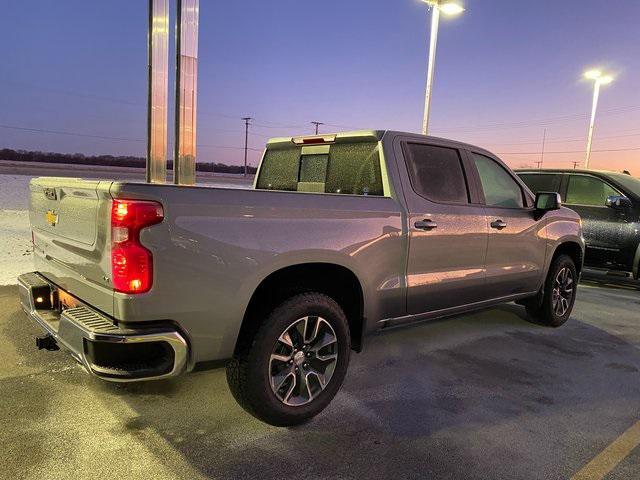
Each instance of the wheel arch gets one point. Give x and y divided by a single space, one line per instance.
571 248
334 280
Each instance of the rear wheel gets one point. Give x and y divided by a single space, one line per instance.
295 361
559 293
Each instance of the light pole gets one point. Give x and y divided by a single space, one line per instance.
598 79
448 8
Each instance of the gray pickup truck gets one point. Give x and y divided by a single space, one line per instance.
341 236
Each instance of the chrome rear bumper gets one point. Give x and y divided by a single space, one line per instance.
104 348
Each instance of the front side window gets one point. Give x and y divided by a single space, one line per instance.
588 190
348 168
542 182
436 173
500 189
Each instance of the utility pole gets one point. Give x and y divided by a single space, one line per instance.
544 138
575 164
246 141
317 124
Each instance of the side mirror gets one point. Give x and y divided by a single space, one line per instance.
618 202
546 201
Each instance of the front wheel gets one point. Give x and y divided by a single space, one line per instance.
295 361
559 293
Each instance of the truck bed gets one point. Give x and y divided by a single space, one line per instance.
213 244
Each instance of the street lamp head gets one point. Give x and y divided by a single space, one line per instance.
451 8
598 76
592 74
448 7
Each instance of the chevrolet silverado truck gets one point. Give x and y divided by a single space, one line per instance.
341 236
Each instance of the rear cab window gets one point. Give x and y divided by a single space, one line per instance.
347 168
436 173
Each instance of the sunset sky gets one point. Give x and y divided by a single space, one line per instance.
505 71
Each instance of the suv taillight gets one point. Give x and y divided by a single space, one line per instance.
131 263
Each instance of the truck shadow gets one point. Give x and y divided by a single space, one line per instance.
442 399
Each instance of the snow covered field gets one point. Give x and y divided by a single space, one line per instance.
16 254
15 235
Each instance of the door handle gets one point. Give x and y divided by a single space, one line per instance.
498 224
425 224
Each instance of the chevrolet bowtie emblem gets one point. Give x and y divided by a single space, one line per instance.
51 217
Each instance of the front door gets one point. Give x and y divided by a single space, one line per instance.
603 228
447 230
517 247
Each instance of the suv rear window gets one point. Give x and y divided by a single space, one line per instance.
347 168
542 182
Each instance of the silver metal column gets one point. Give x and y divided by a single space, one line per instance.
184 167
158 67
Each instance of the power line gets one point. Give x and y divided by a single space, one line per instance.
540 122
74 134
276 125
564 140
121 139
570 151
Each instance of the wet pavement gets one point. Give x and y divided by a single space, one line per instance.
486 395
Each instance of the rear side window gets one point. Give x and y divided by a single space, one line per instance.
348 168
587 190
436 173
500 189
542 182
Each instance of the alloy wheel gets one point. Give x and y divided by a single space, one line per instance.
562 291
303 360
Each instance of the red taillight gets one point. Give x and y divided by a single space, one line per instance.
131 263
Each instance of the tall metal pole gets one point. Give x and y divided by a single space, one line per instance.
184 160
158 76
596 93
435 18
317 124
246 142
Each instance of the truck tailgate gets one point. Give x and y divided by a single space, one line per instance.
71 231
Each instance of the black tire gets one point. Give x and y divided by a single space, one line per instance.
249 375
546 312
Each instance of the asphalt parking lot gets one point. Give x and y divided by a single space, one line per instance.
488 396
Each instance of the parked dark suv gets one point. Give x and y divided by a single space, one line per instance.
609 204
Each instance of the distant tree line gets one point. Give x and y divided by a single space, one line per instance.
107 160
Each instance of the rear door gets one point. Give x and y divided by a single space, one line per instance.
447 228
603 227
517 246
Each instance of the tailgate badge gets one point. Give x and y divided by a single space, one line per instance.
51 217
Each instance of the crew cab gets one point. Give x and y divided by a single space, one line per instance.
341 236
608 204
